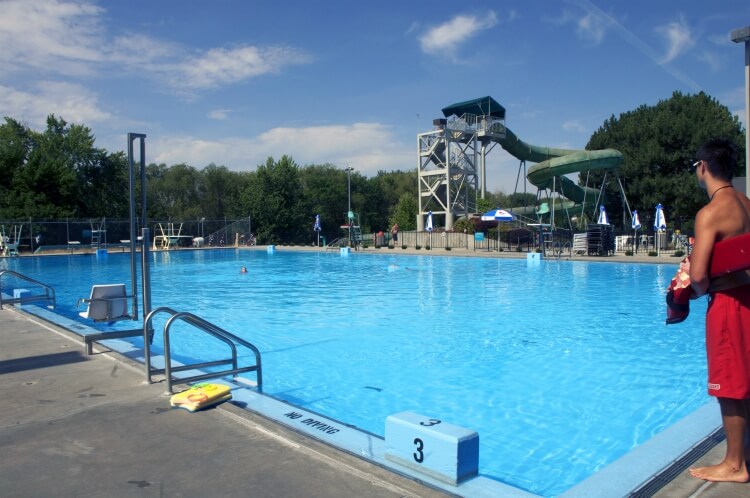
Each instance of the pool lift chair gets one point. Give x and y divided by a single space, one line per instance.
107 303
11 248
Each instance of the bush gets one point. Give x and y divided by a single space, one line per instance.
653 253
679 253
447 248
391 246
403 246
628 253
417 247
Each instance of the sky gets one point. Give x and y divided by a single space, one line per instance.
352 83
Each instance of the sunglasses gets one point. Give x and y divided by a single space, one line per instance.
697 163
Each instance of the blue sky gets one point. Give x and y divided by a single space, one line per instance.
352 82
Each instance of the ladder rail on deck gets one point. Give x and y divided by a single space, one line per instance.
49 292
202 325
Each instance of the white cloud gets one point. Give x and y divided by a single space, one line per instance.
221 66
368 147
70 38
678 38
574 126
713 60
54 35
447 37
592 27
219 114
70 101
675 45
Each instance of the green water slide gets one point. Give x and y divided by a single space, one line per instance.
553 164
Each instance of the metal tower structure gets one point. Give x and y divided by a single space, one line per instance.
452 158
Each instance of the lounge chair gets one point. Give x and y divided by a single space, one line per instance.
108 303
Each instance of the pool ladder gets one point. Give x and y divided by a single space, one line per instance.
49 292
202 325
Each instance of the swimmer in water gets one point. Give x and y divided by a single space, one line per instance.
243 270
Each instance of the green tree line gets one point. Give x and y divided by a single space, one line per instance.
59 173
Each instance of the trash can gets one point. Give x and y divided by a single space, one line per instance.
380 239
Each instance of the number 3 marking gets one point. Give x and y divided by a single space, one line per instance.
432 421
418 455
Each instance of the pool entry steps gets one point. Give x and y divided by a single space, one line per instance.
24 296
210 329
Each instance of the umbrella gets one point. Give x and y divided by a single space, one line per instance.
636 226
660 224
602 216
317 226
429 227
498 215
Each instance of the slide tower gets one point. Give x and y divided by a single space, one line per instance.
453 160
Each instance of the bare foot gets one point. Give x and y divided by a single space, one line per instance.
721 473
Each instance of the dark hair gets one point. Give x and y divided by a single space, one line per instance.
721 157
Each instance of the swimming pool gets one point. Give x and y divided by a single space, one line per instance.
561 368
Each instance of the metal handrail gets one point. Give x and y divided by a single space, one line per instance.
228 338
20 300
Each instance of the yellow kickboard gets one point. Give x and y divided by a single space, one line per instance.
195 408
200 395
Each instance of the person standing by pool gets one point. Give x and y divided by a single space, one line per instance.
394 233
726 215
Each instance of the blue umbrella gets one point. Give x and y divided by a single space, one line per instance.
636 221
429 226
660 224
602 216
636 224
498 215
317 227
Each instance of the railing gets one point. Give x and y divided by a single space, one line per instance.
49 292
227 338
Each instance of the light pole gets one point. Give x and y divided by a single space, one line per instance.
349 214
738 36
202 220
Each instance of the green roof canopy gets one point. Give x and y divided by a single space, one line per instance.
486 106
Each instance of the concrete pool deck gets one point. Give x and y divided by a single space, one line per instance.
78 425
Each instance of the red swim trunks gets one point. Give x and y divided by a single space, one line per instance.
728 343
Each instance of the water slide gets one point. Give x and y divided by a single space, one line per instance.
553 164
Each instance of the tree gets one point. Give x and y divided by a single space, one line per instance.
405 212
658 144
59 173
274 198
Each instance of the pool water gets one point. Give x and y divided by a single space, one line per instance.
561 367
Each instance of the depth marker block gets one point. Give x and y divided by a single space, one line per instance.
440 450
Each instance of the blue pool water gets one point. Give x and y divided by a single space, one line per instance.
561 367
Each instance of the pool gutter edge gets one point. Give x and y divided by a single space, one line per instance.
634 471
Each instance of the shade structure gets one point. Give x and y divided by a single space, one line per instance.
317 227
602 220
636 221
636 224
428 224
498 215
660 222
660 225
